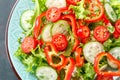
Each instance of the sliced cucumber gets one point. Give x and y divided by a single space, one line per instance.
56 3
46 33
115 53
110 12
46 73
60 27
91 49
26 19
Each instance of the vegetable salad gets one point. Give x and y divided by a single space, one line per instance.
71 39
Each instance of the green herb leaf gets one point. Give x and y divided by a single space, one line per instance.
86 71
80 11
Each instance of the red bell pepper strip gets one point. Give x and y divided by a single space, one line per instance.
50 51
78 58
74 28
65 10
38 23
98 4
106 20
73 22
75 44
80 23
116 35
69 66
112 59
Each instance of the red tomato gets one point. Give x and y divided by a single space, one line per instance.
101 33
60 41
104 78
73 1
53 14
28 44
117 26
85 40
83 32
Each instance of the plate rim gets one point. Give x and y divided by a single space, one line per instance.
6 40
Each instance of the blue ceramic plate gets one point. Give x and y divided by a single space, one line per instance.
13 32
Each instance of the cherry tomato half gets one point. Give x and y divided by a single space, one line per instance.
117 26
101 33
73 1
60 41
104 78
53 14
83 32
28 44
85 40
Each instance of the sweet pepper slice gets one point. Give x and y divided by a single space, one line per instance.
51 51
112 59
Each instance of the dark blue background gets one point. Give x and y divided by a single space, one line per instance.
6 72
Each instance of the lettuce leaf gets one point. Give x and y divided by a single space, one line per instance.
116 6
31 61
40 6
110 43
80 11
86 72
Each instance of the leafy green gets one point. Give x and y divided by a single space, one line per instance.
116 6
40 6
33 0
103 62
80 11
110 43
86 71
111 29
29 60
20 54
93 25
38 52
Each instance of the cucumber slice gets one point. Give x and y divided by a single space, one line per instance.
91 49
46 73
110 12
56 3
46 33
115 52
26 20
60 27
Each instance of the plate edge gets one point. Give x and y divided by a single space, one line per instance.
6 39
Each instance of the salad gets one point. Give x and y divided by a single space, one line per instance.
71 39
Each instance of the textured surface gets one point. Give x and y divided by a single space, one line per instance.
14 32
6 72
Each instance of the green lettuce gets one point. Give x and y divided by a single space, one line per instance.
32 60
116 6
86 72
80 11
40 6
110 43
